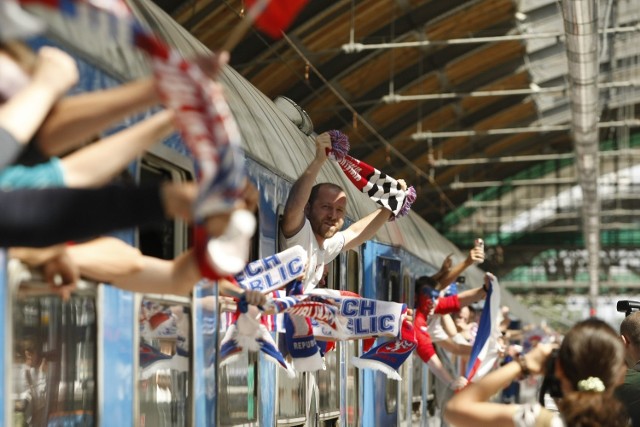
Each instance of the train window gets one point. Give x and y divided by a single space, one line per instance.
351 347
170 238
238 399
328 379
238 379
353 271
54 363
164 393
389 289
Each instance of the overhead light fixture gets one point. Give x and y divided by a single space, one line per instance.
520 16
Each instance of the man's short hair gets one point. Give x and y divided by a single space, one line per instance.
425 281
630 328
314 191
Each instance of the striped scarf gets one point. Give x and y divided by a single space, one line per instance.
381 188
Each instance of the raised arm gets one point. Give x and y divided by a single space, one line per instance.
364 229
77 118
293 217
471 406
451 274
55 72
100 162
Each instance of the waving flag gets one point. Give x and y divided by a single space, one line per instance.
484 352
275 16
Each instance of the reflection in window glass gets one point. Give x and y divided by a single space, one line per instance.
54 360
239 394
163 376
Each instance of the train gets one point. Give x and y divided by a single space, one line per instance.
108 357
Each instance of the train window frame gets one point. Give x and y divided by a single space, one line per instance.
252 358
299 418
169 300
21 278
178 167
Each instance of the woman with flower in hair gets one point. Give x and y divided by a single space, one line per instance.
589 366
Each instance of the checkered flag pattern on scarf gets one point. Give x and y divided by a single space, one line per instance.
380 187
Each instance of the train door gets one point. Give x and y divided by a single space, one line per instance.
388 288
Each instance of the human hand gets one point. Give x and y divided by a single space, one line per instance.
249 197
62 275
55 69
536 359
254 297
476 256
408 315
211 65
403 184
458 383
323 145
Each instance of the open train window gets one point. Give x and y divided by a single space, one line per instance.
170 238
54 357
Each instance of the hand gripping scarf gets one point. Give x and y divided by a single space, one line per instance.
246 332
381 188
367 318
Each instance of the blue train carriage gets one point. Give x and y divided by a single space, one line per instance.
117 358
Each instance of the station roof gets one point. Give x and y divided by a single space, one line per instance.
467 100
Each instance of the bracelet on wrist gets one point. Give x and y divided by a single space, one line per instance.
523 366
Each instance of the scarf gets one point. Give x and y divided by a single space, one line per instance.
381 188
390 355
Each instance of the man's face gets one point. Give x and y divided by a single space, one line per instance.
326 214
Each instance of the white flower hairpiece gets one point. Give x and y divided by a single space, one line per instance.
591 384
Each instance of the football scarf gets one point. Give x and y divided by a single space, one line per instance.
381 188
390 355
484 352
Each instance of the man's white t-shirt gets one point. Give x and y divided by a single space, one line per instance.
318 256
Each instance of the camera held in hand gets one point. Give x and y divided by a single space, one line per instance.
550 383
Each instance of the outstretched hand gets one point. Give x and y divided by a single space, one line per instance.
476 256
61 274
212 65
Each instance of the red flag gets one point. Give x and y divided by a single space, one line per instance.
277 15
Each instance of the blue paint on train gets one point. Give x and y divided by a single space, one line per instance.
4 351
205 358
116 320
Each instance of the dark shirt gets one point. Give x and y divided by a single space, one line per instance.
629 393
46 217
